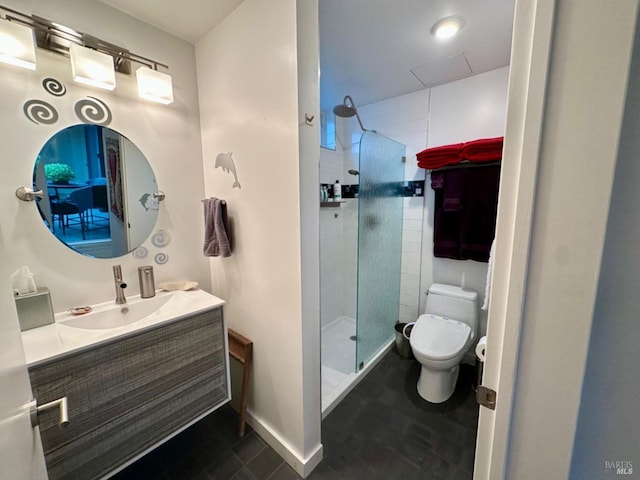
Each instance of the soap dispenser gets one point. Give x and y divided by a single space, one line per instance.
147 283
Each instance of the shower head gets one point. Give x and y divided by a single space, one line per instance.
344 110
354 172
348 110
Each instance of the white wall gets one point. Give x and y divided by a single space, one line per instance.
248 80
308 60
608 427
169 136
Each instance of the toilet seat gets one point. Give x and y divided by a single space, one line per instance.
439 338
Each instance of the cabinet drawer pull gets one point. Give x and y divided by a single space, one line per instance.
60 404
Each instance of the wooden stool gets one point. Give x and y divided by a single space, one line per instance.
241 349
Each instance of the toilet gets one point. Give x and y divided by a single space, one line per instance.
441 337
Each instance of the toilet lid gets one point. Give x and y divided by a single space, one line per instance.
438 337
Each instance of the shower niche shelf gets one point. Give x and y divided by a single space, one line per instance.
331 204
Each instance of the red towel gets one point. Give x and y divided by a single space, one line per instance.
483 150
437 157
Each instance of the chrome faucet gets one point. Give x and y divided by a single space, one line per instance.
120 285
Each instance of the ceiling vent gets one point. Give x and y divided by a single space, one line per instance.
443 71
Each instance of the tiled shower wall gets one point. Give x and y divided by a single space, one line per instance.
338 244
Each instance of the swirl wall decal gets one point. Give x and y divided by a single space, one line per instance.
140 252
92 110
54 87
161 238
161 258
40 112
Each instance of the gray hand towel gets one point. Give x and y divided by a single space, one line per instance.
216 229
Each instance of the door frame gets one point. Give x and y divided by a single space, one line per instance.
557 131
529 68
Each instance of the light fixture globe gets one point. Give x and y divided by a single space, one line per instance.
154 86
16 45
91 67
447 27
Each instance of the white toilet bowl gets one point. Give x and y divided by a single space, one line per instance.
439 344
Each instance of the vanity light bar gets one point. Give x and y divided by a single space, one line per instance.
89 55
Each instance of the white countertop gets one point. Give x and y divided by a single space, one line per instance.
55 340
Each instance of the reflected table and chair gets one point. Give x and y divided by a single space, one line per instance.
82 207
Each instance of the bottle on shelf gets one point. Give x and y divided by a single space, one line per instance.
337 191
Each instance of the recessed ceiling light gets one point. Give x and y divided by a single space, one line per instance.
447 27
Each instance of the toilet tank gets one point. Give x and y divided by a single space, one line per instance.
455 303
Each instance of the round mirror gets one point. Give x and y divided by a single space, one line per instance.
98 191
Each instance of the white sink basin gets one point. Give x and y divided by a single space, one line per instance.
115 316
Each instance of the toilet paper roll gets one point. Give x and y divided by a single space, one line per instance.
481 348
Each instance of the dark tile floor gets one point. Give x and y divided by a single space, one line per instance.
381 430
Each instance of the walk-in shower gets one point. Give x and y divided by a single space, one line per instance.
360 254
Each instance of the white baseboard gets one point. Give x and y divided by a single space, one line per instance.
302 466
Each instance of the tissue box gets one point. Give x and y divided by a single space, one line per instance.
34 309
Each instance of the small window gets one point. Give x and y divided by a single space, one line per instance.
328 130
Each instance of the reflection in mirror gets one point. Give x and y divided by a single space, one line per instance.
98 191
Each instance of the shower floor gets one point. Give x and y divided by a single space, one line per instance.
338 349
338 359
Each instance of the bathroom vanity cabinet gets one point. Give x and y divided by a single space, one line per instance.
131 393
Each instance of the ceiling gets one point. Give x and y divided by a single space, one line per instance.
187 19
369 49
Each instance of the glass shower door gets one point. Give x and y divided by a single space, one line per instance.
380 206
